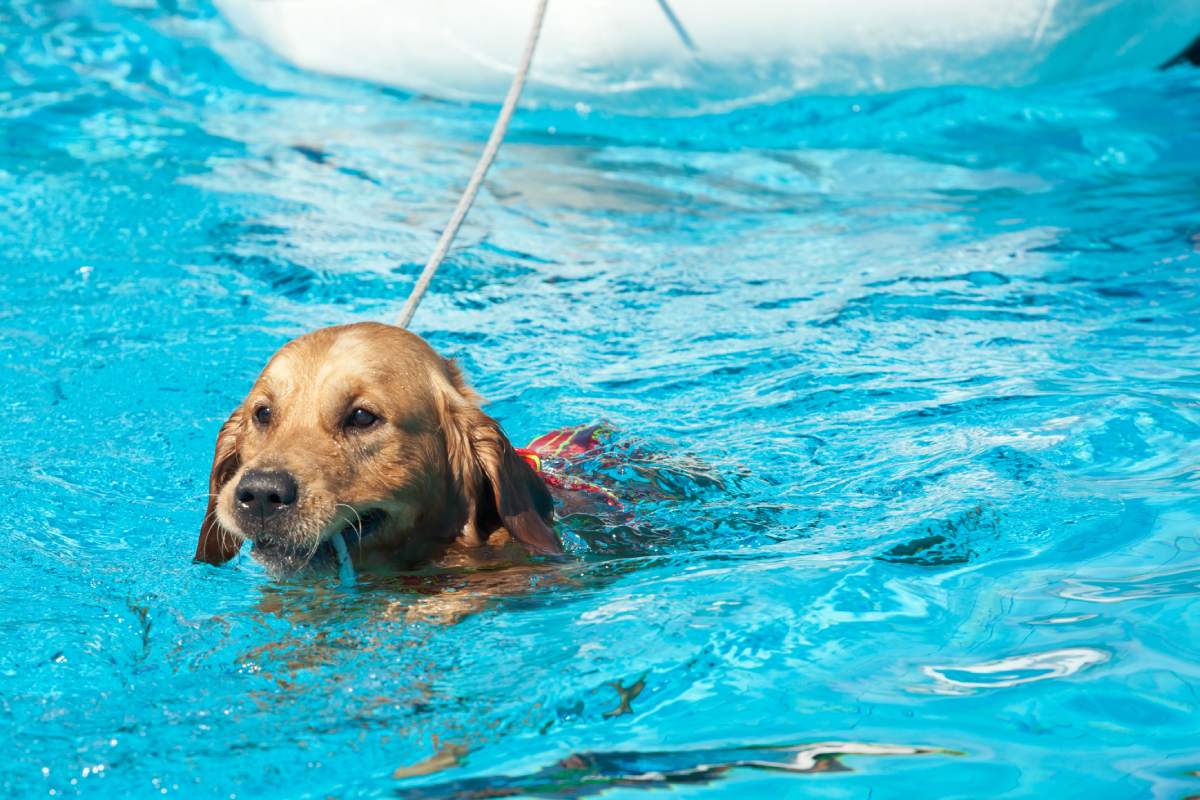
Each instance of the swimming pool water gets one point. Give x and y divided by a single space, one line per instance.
939 348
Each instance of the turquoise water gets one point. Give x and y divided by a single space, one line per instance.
938 349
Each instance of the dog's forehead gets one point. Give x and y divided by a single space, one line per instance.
354 358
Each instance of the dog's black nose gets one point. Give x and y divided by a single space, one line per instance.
261 494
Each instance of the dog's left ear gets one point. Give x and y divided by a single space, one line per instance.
520 498
500 488
217 545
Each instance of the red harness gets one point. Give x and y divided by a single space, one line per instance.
550 453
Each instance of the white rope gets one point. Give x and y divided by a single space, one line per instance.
680 31
345 563
481 169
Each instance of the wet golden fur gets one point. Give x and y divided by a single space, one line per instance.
440 470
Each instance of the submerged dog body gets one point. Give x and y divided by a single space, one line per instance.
365 430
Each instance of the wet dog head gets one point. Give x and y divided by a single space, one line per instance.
364 430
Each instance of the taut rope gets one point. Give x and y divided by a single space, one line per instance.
499 129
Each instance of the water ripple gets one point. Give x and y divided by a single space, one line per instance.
1017 670
1179 583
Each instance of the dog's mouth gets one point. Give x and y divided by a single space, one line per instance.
283 557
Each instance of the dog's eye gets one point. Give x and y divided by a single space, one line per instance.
361 418
262 415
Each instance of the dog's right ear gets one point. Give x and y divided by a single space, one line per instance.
499 488
217 545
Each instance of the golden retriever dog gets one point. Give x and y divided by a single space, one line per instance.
364 430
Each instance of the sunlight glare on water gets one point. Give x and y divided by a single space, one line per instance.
935 353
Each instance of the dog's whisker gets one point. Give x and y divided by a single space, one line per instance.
358 529
189 498
312 550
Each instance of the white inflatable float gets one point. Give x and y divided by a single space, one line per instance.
625 54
